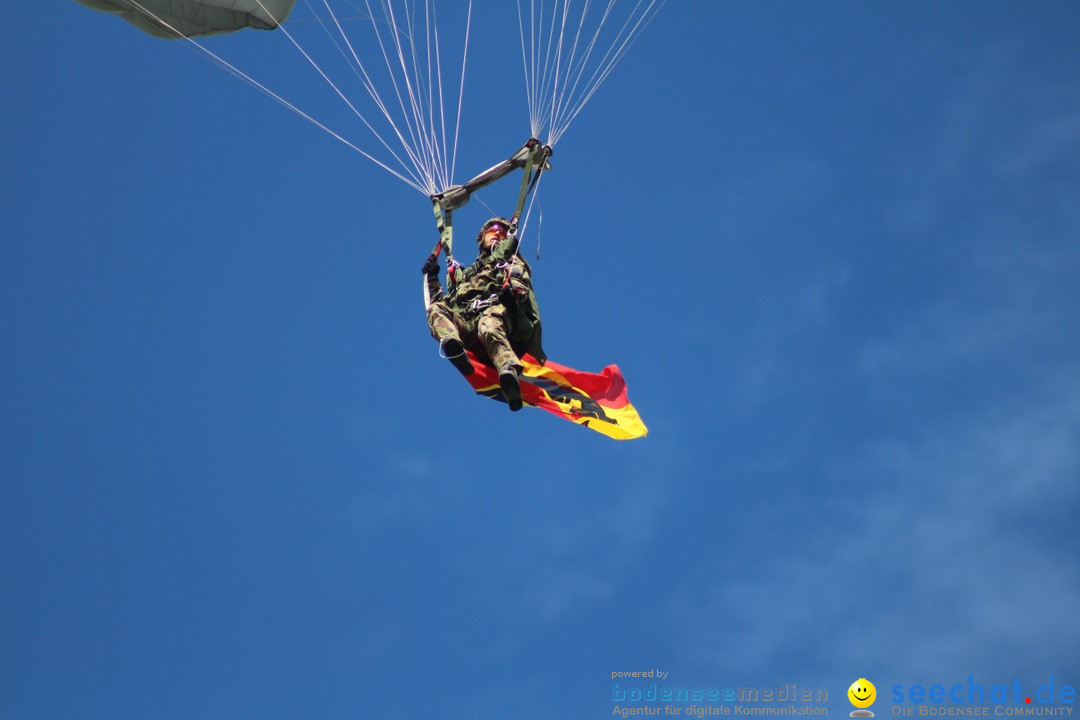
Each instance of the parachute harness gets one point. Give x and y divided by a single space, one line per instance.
531 158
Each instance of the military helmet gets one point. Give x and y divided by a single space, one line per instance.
491 223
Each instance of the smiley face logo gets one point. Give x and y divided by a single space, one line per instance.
862 693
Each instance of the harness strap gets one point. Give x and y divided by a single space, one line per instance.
535 164
444 223
508 267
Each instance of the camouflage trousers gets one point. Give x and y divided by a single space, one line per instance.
485 332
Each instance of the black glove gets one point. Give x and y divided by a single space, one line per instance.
431 267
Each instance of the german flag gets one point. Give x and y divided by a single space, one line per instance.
596 400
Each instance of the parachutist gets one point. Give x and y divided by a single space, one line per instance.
489 308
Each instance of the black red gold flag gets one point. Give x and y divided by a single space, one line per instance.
596 400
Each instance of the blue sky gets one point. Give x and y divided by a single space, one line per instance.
832 246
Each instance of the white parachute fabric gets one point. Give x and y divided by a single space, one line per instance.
196 18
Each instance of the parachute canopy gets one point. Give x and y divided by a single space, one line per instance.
195 18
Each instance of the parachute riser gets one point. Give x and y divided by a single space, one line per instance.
444 223
536 163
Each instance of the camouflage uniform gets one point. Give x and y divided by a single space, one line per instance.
490 308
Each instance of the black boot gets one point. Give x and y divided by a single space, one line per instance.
452 350
511 388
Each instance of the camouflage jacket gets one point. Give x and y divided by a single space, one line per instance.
501 276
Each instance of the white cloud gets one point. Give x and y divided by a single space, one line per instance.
948 335
933 560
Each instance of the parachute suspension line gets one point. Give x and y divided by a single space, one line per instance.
557 66
540 69
241 75
430 147
549 93
490 210
419 131
528 59
624 40
461 94
562 74
413 77
427 142
442 152
411 145
560 97
426 149
416 179
526 48
438 148
547 80
361 73
419 151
